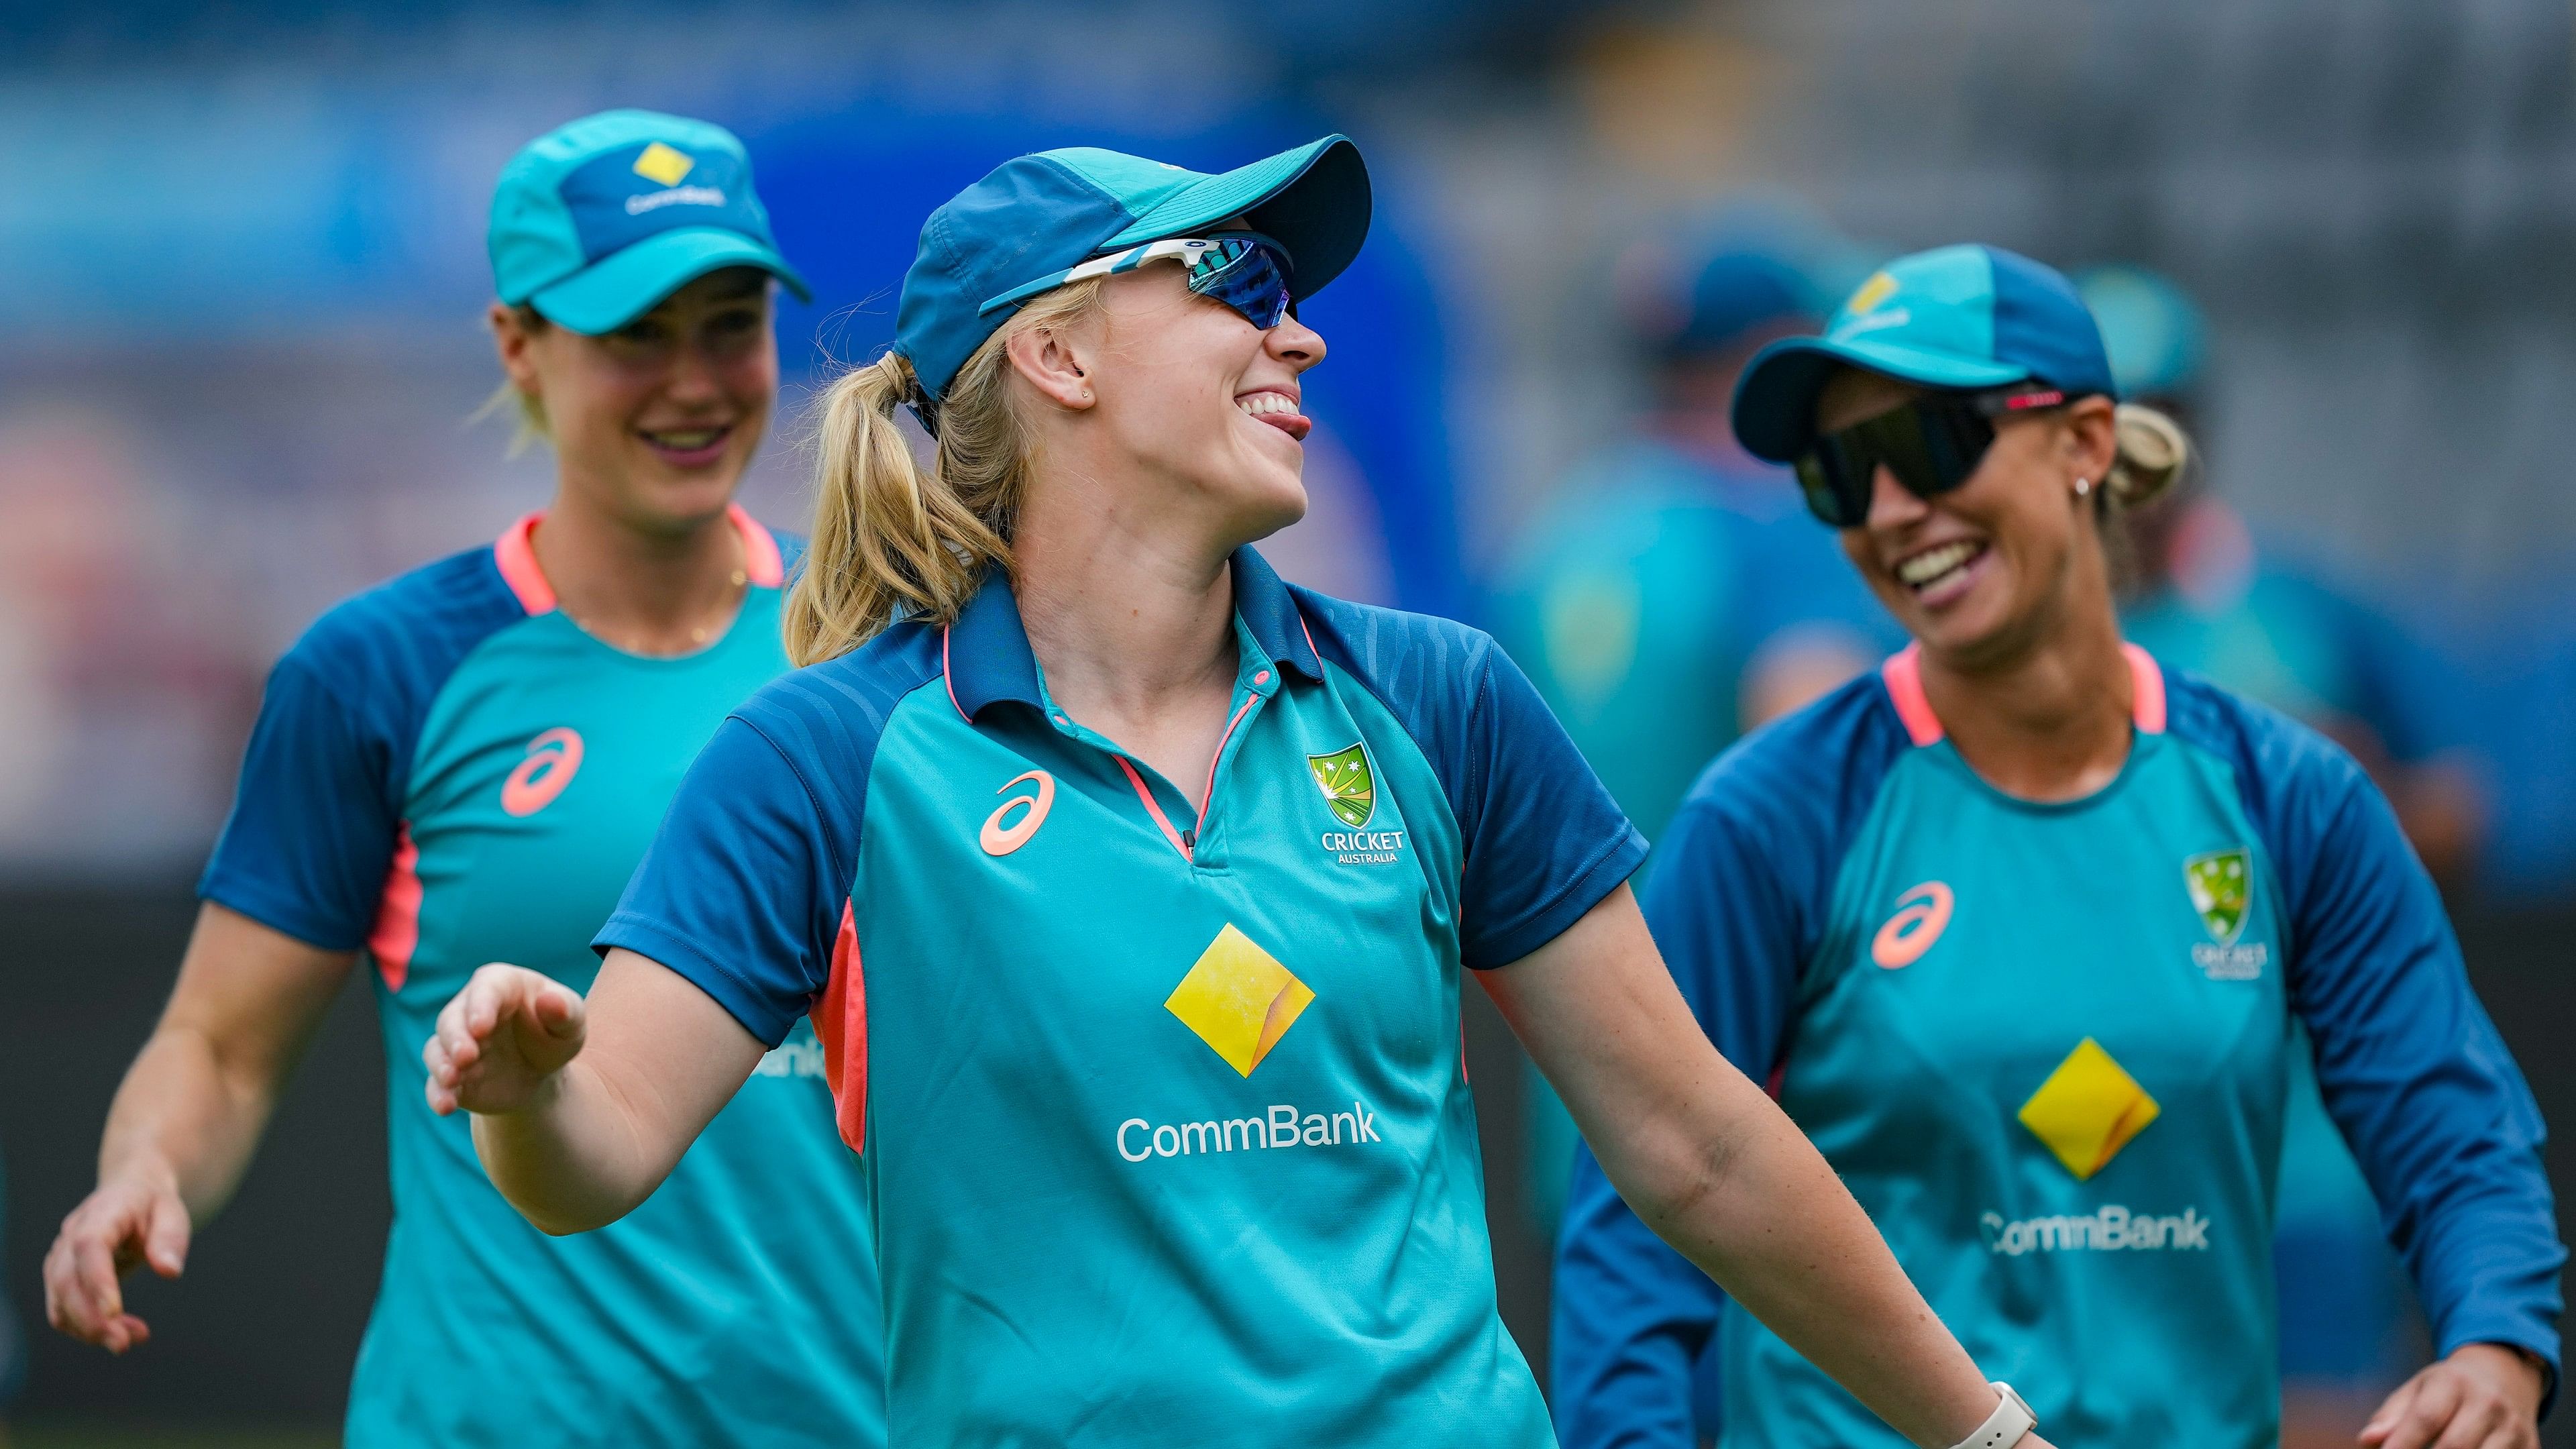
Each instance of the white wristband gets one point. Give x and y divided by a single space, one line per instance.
2006 1425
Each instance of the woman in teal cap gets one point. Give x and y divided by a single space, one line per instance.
1130 888
2019 928
464 764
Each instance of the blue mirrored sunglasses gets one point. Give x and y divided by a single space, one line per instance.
1245 270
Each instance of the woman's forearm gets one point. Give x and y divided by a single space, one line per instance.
1768 1219
582 1108
571 1160
193 1105
181 1120
1714 1166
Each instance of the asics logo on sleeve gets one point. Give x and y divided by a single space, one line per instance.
553 759
1922 914
1001 834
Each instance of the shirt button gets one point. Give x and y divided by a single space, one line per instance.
1060 719
1261 678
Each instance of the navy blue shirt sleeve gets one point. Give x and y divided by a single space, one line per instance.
1544 842
2411 1067
313 825
742 890
1737 898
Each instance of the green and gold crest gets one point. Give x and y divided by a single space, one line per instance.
1347 784
2219 883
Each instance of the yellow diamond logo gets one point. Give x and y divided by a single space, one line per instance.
2088 1109
1239 999
666 164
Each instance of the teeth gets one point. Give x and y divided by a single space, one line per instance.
1257 403
1932 563
694 438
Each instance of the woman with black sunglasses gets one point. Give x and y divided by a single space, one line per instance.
2017 931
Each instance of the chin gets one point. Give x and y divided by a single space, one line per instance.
681 499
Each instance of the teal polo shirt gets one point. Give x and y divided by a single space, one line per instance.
1158 1084
449 770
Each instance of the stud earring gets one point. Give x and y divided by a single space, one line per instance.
2083 486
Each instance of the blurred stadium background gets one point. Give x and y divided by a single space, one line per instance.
241 276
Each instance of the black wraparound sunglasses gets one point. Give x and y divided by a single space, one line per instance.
1931 445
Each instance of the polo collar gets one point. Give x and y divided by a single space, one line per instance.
987 657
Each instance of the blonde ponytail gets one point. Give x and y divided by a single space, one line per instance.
2152 453
892 539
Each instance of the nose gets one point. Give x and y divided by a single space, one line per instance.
1294 343
692 377
1892 504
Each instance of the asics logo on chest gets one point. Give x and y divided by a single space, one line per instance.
1002 834
553 759
1922 914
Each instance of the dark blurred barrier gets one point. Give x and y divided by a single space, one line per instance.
265 1325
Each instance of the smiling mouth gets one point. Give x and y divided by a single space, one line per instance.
1277 409
1935 569
687 446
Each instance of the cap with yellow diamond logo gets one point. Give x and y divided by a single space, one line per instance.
1239 999
598 220
2088 1109
2218 884
1348 785
666 164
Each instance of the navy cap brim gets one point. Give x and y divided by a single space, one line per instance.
626 284
1775 404
1315 200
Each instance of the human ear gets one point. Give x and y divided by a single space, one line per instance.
512 340
1051 362
2089 440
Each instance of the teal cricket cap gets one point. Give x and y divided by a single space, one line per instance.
1956 317
1036 215
598 220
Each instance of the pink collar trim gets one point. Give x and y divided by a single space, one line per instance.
515 553
1903 675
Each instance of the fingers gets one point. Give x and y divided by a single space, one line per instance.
559 1011
165 1239
2433 1401
441 1084
83 1299
2392 1412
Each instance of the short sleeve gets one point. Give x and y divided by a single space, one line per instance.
313 822
1544 840
742 890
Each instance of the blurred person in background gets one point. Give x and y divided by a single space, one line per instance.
2198 596
2021 930
464 764
1674 594
125 684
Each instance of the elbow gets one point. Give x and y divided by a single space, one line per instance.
562 1220
1676 1185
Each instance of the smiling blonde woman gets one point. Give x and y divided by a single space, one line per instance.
465 764
1133 889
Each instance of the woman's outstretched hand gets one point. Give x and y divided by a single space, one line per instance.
501 1040
2484 1396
